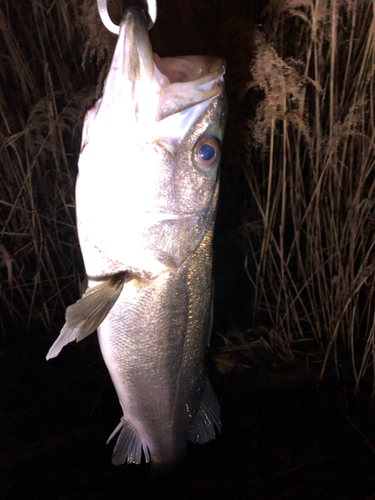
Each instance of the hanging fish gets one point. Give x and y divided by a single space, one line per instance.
146 199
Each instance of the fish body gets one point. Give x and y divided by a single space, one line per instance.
146 197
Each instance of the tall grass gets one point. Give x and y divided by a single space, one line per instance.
44 94
311 176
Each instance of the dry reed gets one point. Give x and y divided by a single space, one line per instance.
44 95
311 177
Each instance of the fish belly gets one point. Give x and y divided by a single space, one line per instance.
153 342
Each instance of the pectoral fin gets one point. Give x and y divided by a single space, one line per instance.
129 446
83 317
207 417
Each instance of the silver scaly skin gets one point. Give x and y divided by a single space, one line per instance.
146 199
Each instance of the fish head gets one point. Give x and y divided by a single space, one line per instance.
149 165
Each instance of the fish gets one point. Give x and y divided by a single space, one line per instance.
146 200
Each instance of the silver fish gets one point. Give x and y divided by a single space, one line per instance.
146 199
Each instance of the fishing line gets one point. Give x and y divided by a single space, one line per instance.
111 26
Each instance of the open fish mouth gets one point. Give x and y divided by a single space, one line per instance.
147 88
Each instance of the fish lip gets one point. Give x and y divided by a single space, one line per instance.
138 15
133 29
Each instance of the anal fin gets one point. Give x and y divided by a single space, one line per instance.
129 446
83 317
207 417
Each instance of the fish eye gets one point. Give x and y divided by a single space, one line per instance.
206 153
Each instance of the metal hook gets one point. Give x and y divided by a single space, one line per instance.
111 26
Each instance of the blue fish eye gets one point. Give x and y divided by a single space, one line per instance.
206 153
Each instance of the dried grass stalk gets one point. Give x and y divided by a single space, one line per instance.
44 94
311 177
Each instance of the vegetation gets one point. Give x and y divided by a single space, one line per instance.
307 153
311 258
42 103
